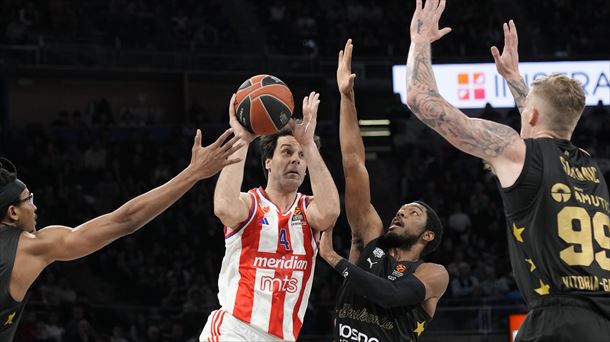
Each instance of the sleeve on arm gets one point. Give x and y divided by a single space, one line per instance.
408 291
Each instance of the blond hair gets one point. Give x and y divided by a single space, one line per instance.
566 99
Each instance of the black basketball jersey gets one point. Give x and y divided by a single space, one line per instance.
557 214
10 311
358 319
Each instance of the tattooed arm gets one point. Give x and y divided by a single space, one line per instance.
507 64
497 144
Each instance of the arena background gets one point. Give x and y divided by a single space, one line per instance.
99 100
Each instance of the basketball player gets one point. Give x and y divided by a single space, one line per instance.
267 270
26 251
389 293
555 197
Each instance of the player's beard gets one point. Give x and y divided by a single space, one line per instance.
393 240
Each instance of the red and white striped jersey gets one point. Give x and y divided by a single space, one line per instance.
267 270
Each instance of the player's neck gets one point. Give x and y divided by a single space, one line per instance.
282 199
404 254
550 134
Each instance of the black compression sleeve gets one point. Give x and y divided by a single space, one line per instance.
407 291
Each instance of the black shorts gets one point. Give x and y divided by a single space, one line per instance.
563 319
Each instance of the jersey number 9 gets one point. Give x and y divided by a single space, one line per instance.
570 217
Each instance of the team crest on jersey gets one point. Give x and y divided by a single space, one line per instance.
378 252
298 215
265 208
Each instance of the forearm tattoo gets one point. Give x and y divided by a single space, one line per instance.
519 90
481 138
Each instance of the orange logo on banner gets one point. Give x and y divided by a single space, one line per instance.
401 268
471 88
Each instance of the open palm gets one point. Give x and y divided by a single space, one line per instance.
345 78
304 131
424 25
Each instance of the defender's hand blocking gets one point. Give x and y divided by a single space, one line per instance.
304 131
237 128
208 161
345 78
507 63
424 25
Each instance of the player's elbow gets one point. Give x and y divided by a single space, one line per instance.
328 211
228 215
332 213
412 99
327 221
223 212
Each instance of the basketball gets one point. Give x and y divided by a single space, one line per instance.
264 104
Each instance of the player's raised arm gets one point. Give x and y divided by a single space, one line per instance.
38 249
324 210
507 64
63 243
232 206
496 143
363 219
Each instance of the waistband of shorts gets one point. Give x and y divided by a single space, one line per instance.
561 300
267 336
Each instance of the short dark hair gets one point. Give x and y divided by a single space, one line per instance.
433 223
7 177
268 143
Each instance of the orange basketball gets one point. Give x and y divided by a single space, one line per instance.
264 104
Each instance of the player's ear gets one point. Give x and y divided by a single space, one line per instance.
268 164
534 117
429 235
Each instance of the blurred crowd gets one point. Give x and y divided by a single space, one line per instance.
381 27
129 24
317 27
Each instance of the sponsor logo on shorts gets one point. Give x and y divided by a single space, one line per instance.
347 333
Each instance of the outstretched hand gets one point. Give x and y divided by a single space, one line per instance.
208 161
304 131
424 25
345 78
507 63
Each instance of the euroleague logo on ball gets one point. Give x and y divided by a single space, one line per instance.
264 104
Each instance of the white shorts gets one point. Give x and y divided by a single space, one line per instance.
223 327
